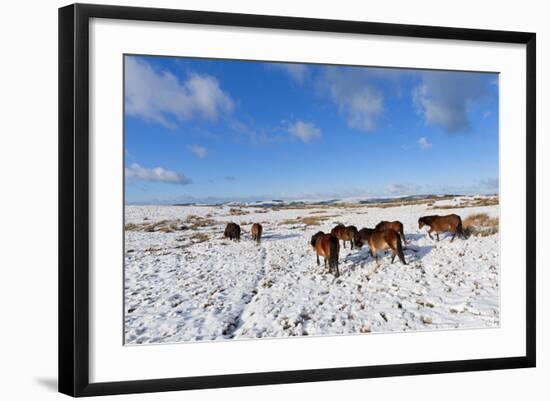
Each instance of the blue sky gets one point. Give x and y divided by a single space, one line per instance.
218 130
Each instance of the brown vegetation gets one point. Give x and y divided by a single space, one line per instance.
195 221
235 211
480 224
199 237
168 226
307 220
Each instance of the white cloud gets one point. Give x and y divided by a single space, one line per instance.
423 143
199 151
444 98
157 174
305 132
229 178
298 72
360 102
162 98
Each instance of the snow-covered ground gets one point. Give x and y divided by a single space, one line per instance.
190 284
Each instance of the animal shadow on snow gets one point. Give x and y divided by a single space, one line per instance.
417 251
276 237
442 236
415 237
411 252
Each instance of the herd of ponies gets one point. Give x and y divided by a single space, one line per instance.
386 235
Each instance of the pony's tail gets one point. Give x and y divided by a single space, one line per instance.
333 260
400 250
459 228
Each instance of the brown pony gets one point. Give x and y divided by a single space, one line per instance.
327 245
380 240
232 231
345 233
449 223
392 225
257 232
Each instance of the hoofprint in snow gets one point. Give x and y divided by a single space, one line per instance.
185 282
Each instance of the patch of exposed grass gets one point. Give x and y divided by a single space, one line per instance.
307 220
133 227
235 211
168 226
480 224
195 221
197 238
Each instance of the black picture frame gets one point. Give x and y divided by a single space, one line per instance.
74 199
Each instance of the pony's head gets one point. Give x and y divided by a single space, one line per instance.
421 222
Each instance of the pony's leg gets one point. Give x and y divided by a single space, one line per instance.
392 256
454 235
437 235
430 233
344 241
318 262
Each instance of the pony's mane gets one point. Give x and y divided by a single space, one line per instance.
314 237
427 219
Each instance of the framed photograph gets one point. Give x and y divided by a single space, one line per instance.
251 199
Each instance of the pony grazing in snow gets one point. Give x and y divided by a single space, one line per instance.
345 233
392 225
449 223
232 231
257 232
327 245
380 240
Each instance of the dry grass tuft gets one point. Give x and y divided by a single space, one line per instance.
480 224
197 238
235 211
195 221
307 221
168 226
165 226
133 227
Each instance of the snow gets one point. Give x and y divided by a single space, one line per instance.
179 287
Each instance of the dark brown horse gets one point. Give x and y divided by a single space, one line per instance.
232 231
438 224
392 225
257 232
327 245
380 240
345 233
